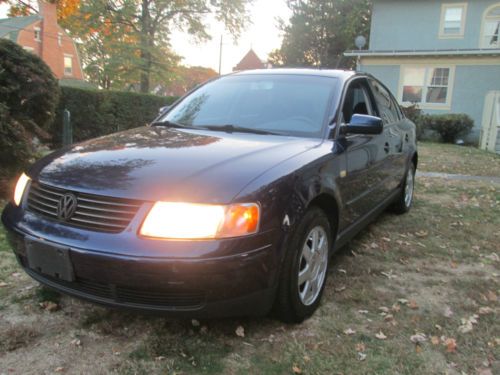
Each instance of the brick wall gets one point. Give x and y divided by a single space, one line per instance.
54 45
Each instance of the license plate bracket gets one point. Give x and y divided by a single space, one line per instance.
49 259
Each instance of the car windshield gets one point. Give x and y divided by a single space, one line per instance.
293 105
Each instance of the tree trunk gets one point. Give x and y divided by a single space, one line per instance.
145 52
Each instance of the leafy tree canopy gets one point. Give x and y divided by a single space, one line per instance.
320 31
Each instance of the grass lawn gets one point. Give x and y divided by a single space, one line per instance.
412 294
447 158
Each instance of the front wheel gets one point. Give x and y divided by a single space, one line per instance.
305 269
405 199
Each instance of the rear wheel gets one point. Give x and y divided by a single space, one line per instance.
305 269
405 199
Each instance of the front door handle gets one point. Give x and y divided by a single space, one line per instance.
386 147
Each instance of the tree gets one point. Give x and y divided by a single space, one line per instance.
65 8
140 30
320 31
29 93
186 79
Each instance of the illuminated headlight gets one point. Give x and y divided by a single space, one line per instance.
200 221
20 187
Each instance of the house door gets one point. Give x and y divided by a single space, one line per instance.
490 131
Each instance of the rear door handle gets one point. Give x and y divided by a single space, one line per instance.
386 147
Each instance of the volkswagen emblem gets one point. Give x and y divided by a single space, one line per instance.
66 207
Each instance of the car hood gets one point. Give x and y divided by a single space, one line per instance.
158 163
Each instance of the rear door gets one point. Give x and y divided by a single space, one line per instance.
393 169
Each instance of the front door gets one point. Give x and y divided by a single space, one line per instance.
490 131
363 186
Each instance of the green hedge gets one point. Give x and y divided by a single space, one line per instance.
449 126
95 113
28 97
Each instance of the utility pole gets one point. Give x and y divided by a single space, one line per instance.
220 55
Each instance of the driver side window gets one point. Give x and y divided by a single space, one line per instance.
356 101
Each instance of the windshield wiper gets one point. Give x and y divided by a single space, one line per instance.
229 128
171 124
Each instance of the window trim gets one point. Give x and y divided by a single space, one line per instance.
444 8
64 65
483 26
427 67
59 38
37 31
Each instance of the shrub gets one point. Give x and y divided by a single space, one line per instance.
29 93
95 113
449 126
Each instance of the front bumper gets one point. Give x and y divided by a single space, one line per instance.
233 277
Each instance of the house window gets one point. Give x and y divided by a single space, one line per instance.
59 39
68 65
426 85
491 28
453 20
38 34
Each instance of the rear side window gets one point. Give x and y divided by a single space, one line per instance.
387 107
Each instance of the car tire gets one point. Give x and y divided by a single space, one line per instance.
405 198
305 268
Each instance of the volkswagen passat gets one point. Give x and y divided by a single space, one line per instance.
230 203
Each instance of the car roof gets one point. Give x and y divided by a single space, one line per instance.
336 73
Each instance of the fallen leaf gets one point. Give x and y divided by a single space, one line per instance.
361 356
492 296
418 338
373 245
380 336
16 274
49 306
360 347
59 369
485 310
342 271
3 284
386 239
418 348
340 289
296 369
389 317
349 332
421 233
403 301
435 340
363 311
76 342
413 305
396 307
448 313
451 345
160 358
195 323
203 329
240 331
383 309
307 358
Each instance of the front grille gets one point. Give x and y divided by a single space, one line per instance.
93 212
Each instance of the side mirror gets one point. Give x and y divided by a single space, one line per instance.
363 124
164 109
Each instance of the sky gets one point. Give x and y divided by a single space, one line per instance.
262 35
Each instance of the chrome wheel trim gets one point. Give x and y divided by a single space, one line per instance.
409 186
312 265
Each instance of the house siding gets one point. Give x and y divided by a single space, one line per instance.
415 25
471 84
